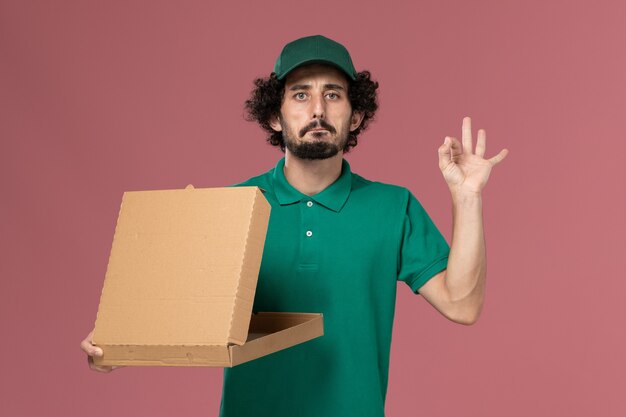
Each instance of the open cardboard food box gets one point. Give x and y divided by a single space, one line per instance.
181 279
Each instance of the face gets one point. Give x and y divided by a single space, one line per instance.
316 116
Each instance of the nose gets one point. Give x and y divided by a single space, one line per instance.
318 106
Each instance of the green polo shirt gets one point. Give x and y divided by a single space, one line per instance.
340 253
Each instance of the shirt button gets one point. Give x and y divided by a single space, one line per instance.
309 233
309 204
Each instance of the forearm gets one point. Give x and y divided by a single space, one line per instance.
466 272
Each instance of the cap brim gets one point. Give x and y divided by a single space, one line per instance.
316 61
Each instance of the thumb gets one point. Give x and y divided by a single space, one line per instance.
444 153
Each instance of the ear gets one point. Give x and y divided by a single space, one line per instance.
275 123
355 120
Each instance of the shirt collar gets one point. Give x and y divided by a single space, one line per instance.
333 197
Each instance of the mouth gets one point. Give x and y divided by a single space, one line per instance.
318 134
317 130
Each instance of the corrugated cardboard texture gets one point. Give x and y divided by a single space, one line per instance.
183 267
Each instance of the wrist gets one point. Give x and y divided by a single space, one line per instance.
465 197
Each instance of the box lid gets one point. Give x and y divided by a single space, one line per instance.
183 267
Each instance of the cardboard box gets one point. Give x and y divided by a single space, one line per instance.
181 279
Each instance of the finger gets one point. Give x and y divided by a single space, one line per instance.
87 346
467 135
90 349
481 143
97 368
499 157
456 149
102 369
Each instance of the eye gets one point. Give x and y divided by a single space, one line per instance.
332 96
300 96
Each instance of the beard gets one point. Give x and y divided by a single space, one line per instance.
317 149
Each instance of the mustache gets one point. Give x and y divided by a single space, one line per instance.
320 123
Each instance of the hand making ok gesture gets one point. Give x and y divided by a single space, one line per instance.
464 170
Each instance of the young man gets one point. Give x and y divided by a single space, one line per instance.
338 243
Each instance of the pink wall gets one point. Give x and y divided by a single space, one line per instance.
101 97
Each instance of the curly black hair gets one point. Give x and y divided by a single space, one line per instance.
267 96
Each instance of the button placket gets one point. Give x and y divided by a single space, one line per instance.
309 240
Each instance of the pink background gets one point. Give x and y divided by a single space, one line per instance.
101 97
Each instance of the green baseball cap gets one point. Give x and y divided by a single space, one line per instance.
314 49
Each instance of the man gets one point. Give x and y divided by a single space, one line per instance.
338 243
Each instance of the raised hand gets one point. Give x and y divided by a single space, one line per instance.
465 170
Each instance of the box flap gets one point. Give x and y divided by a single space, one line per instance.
183 267
271 332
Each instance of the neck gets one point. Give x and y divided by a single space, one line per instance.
312 176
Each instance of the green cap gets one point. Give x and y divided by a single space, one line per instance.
314 49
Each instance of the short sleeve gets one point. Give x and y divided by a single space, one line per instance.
423 250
